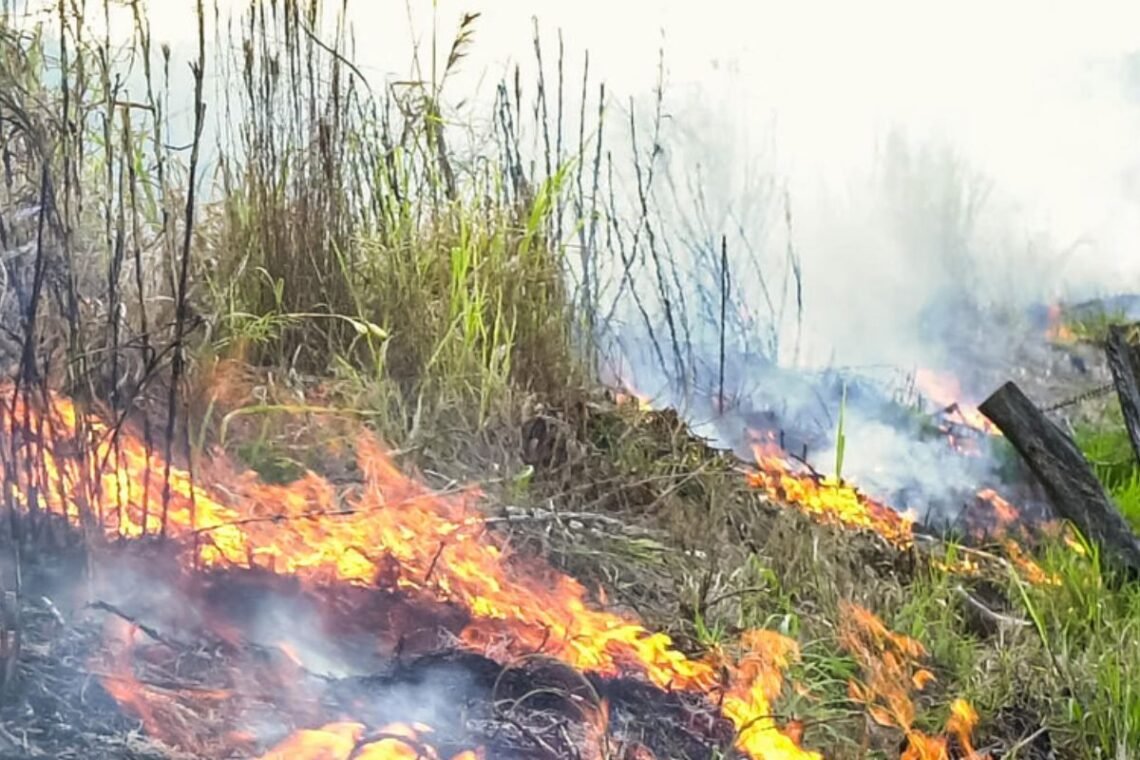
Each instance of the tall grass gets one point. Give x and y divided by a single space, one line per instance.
351 240
355 226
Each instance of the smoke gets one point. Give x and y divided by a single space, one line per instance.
929 158
922 178
267 622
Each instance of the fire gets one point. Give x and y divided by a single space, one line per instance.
755 684
1056 330
638 399
351 741
946 392
1005 514
834 503
395 533
889 662
827 500
963 720
1006 518
626 391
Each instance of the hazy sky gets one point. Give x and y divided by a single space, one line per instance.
1033 92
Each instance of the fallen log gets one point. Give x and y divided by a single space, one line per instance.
1069 480
1124 361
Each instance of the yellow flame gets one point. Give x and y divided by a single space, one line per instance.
439 545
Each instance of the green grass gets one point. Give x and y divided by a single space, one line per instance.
1107 446
1093 327
418 281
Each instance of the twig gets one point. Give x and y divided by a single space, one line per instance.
49 605
731 594
148 630
1025 742
200 692
182 292
532 736
996 617
434 560
979 553
724 286
689 477
797 273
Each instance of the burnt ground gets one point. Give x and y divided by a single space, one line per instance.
231 697
56 707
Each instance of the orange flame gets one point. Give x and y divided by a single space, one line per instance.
827 500
394 532
342 741
889 662
1007 522
627 393
963 720
1003 512
1056 330
836 503
637 399
945 391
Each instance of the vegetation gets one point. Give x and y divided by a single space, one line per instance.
1107 446
1092 327
347 263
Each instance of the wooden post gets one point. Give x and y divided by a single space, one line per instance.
1067 476
1124 361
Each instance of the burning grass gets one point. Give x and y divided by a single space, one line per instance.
754 576
394 534
983 634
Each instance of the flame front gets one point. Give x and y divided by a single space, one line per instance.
393 532
833 502
352 741
826 499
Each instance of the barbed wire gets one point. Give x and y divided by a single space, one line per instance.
1086 395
